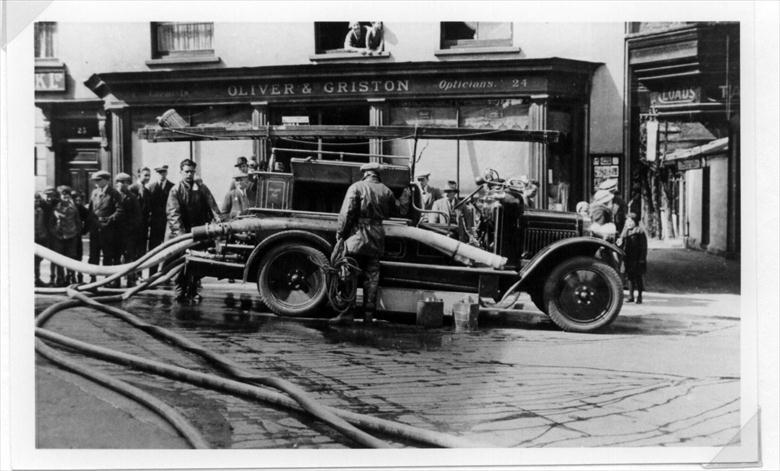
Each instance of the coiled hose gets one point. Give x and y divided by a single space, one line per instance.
342 278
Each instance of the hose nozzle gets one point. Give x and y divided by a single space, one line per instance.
223 229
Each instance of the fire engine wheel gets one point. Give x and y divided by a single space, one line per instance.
583 294
291 281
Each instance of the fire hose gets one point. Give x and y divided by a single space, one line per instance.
334 417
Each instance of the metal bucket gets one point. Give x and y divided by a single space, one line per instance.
430 312
171 119
465 315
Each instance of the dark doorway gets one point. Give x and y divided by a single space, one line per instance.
80 159
705 207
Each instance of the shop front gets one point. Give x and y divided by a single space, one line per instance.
532 94
684 132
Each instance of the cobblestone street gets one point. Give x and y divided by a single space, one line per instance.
665 373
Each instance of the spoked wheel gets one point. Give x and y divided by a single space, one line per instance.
291 281
583 294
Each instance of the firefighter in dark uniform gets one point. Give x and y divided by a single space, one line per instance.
158 199
190 204
132 222
105 216
360 233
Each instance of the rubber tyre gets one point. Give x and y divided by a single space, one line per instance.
290 281
583 294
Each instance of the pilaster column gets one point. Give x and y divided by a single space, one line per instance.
538 121
377 115
121 158
259 120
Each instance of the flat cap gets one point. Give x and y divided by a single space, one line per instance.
603 196
123 177
65 189
452 186
100 174
608 184
371 167
50 191
241 161
163 168
422 174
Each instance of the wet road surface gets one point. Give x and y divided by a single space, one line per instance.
665 373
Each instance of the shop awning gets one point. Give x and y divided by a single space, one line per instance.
717 146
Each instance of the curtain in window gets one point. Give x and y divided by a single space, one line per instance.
181 37
44 39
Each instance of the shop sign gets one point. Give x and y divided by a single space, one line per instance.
50 81
301 89
676 96
295 120
689 164
605 167
652 140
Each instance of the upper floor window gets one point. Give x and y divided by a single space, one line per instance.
366 37
182 39
456 34
44 39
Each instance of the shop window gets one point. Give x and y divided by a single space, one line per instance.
463 34
344 37
655 26
182 39
44 39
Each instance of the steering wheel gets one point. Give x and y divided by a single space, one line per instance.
490 175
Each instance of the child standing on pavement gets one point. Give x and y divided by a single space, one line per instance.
633 240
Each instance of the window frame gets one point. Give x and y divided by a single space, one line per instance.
52 39
339 54
158 54
449 44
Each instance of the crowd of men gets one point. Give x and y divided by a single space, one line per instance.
126 219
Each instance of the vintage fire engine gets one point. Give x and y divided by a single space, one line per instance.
284 243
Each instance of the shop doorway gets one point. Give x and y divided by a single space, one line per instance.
80 159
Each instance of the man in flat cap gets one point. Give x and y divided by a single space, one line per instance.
236 200
141 191
132 222
619 206
158 198
461 218
105 213
428 194
360 233
190 204
65 226
243 166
